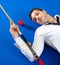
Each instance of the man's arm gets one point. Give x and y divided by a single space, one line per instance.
38 44
20 43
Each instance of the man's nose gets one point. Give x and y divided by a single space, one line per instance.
37 17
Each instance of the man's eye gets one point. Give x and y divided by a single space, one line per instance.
35 19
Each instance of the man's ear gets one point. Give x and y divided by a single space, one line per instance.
44 11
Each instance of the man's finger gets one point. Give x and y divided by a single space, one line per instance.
11 23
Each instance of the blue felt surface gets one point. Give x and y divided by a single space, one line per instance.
19 10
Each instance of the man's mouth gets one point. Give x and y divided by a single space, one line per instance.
40 19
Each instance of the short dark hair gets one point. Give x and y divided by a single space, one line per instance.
33 10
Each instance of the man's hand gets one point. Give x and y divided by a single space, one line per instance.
13 30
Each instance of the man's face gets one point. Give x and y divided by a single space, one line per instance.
39 16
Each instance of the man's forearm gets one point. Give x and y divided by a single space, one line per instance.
24 49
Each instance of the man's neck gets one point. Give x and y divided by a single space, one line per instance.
51 19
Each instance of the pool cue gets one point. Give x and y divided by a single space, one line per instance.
33 52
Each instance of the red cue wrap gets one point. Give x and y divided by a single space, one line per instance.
40 62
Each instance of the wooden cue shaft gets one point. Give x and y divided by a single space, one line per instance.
9 17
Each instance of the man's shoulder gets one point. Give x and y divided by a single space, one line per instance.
40 29
57 17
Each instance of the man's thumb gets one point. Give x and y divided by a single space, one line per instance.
11 23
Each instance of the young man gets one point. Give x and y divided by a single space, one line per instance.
49 32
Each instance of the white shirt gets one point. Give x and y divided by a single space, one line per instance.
45 33
49 34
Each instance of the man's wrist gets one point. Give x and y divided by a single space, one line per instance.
15 38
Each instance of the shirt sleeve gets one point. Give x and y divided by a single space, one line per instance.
24 49
38 44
